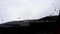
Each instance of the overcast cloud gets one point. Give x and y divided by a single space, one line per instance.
11 10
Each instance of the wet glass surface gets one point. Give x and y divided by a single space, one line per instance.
16 10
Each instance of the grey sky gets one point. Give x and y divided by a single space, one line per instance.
10 10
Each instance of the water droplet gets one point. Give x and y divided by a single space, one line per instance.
59 11
1 20
50 15
55 9
18 17
52 3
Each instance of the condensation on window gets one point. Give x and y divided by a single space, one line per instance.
14 10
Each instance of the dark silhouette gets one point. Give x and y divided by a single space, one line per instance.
45 25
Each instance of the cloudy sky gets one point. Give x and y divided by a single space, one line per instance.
11 10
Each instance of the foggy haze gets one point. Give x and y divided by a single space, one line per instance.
13 10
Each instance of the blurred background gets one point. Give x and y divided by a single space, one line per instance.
29 16
16 10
